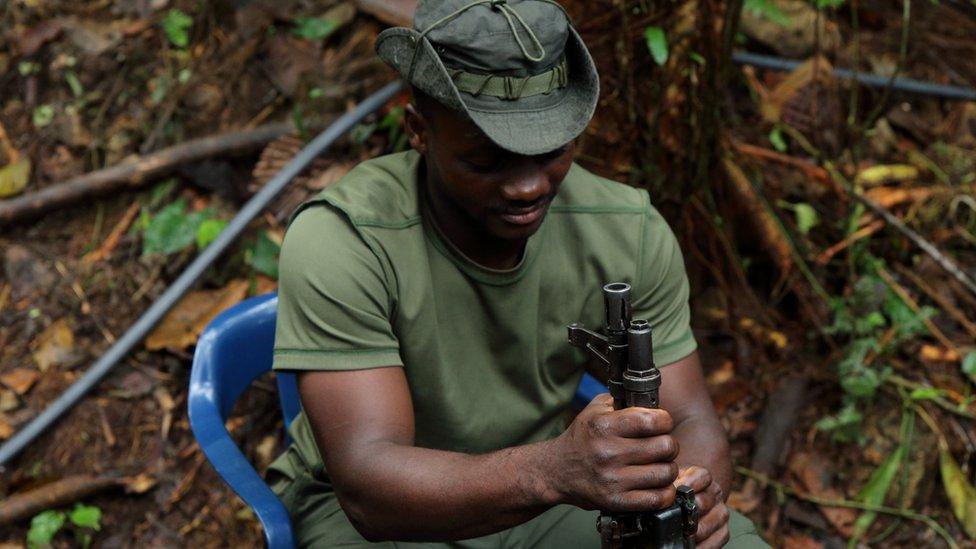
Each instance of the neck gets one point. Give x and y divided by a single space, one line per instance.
467 235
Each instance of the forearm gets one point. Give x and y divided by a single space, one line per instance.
703 442
408 493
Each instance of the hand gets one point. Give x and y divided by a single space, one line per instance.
713 522
614 460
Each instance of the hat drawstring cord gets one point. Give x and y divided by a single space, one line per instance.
508 12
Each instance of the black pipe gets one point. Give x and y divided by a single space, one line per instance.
900 84
194 271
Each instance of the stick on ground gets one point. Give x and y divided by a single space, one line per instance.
137 173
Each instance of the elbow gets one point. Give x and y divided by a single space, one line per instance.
366 519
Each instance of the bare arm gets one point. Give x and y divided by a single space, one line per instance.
364 426
700 435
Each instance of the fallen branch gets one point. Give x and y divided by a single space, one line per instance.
903 513
138 172
56 494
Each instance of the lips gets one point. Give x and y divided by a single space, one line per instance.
525 216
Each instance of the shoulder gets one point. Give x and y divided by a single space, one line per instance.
585 192
379 192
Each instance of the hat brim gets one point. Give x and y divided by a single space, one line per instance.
528 126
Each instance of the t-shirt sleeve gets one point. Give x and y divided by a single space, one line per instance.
334 305
661 291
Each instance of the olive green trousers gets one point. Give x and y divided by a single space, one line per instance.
319 521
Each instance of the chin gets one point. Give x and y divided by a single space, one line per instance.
508 231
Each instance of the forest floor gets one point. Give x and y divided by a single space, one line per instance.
819 406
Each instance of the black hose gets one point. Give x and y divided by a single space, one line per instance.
194 271
900 84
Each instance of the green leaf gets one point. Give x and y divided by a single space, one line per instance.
806 217
969 365
961 493
845 426
776 138
43 527
172 229
926 393
263 256
657 43
86 516
314 28
14 177
874 491
208 231
42 116
176 26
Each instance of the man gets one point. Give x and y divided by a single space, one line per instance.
424 298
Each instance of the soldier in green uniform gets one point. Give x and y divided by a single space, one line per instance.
424 297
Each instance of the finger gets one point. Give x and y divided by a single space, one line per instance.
647 477
716 540
698 478
637 422
641 500
712 522
650 450
705 501
602 400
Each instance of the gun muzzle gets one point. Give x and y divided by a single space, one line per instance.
616 297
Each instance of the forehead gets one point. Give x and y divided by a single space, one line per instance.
458 131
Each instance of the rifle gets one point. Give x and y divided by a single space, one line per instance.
634 380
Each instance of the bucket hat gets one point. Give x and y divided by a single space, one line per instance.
516 68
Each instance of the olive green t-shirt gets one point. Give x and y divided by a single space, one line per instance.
367 281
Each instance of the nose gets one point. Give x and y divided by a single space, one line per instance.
529 186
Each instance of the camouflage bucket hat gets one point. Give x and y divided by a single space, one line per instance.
516 68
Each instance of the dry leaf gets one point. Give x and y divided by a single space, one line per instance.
139 484
889 197
809 470
183 325
6 429
802 78
8 401
801 542
935 353
265 451
20 379
961 493
876 175
54 346
14 177
722 374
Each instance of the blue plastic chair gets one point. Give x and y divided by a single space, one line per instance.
234 350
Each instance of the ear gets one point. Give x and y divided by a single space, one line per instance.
417 128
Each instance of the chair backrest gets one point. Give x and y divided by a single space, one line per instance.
235 349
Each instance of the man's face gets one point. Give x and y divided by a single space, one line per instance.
501 193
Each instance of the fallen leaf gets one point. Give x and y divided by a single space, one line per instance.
722 374
183 325
801 542
35 37
889 197
961 493
14 177
792 28
264 285
139 484
8 401
54 346
398 13
6 430
810 470
94 37
265 451
876 175
935 353
20 379
807 74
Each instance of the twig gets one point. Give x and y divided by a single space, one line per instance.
62 492
809 168
904 513
137 173
916 238
863 232
913 305
935 296
939 401
112 240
